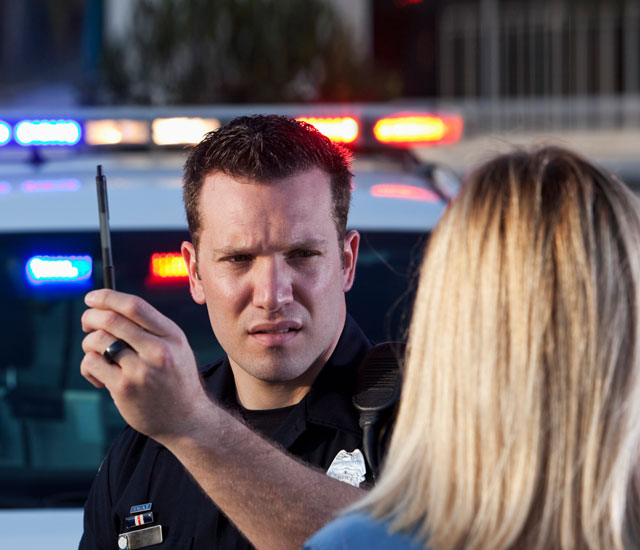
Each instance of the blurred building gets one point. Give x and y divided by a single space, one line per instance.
459 49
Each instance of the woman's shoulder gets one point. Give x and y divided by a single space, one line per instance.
359 530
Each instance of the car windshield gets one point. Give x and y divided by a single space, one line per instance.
54 426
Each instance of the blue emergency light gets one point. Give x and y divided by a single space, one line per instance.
67 270
5 133
47 132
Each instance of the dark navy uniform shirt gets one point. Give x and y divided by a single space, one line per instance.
138 470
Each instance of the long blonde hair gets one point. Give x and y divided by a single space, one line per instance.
519 423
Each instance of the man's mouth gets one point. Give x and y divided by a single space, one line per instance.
275 334
275 327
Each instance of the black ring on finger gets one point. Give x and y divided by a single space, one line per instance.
113 350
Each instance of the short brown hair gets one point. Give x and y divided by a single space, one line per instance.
265 148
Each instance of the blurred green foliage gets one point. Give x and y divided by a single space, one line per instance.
233 51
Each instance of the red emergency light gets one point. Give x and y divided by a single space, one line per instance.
407 129
167 267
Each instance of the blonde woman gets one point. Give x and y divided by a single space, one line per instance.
519 424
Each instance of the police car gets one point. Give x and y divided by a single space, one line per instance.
54 426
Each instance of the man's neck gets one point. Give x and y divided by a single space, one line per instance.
256 394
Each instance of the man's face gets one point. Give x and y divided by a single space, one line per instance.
270 270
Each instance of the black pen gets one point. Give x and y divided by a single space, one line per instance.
105 233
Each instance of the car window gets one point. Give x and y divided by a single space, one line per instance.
55 428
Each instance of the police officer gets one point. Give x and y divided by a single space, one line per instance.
238 454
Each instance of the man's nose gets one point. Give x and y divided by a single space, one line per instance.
272 287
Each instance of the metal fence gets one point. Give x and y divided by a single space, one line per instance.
507 48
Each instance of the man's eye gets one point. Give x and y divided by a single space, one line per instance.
238 258
303 253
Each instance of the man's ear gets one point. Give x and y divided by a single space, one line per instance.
195 283
351 244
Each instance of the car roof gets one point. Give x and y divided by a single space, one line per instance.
145 193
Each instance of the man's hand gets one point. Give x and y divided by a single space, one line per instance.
155 382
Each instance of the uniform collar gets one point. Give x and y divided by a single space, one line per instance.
219 382
338 376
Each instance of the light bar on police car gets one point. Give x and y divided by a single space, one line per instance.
42 270
47 132
360 126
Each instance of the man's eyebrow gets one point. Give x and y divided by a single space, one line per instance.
231 250
308 243
305 244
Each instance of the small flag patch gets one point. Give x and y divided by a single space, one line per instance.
140 519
